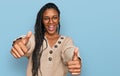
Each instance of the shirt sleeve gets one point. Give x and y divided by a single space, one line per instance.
68 50
30 45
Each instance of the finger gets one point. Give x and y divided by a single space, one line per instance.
75 74
18 49
73 62
15 53
74 67
27 37
29 34
75 71
23 47
75 55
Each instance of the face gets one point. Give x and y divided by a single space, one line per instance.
50 21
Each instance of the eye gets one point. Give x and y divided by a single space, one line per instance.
55 17
46 18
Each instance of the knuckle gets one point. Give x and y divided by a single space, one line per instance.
25 51
22 54
20 43
15 45
23 40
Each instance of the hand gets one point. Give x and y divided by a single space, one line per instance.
19 48
74 66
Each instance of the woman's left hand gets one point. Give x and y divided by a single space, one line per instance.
74 66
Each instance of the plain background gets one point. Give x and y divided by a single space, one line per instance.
94 26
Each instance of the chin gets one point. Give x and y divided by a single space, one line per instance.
52 32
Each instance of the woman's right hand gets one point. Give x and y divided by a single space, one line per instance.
19 47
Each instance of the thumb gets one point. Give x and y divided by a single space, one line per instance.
75 55
27 37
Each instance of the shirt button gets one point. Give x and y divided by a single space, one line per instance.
50 58
50 51
55 46
62 37
59 42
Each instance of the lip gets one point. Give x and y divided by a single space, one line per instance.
51 27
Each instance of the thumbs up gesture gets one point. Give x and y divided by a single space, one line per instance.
74 65
19 47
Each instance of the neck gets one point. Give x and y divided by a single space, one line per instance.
51 36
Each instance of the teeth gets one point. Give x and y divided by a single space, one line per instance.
51 27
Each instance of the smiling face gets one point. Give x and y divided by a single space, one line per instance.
51 21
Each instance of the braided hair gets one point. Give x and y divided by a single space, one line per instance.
39 37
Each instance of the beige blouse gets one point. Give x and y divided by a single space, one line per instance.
53 60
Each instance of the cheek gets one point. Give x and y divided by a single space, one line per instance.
44 22
56 22
45 26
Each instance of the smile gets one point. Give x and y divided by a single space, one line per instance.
51 27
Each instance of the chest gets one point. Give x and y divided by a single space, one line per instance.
52 42
53 49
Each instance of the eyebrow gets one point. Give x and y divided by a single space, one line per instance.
48 16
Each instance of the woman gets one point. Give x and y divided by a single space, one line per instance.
49 53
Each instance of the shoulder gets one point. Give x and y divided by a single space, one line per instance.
31 41
67 39
32 37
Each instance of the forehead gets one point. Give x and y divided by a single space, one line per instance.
50 12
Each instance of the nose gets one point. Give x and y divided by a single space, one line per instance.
50 20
